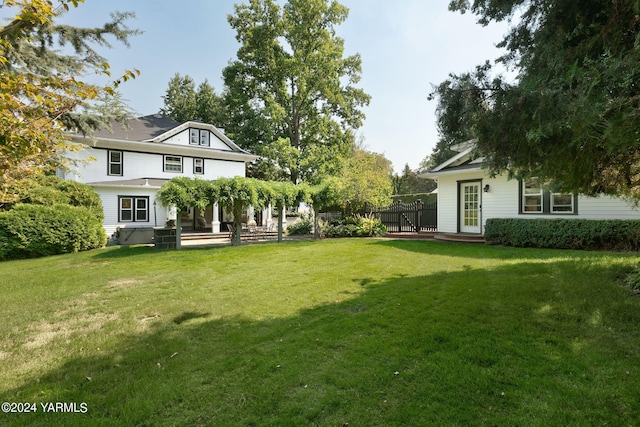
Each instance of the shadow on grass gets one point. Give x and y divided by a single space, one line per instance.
506 346
117 252
123 252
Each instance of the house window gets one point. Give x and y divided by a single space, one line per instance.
204 138
533 195
172 164
535 199
133 209
114 160
561 203
198 166
194 136
199 137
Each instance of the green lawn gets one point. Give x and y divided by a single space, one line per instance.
366 332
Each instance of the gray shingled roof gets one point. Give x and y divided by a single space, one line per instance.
140 129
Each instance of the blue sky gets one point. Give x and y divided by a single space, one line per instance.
405 45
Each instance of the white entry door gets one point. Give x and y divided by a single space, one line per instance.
470 220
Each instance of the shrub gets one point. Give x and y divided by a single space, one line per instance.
358 226
29 231
304 226
51 190
621 235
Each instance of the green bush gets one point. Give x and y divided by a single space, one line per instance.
358 226
616 235
51 190
29 231
304 226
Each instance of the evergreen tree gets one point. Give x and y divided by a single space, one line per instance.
210 106
410 183
572 115
180 99
42 91
182 102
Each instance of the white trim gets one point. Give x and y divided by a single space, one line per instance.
171 149
197 125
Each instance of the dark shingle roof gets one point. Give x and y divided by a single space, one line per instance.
140 129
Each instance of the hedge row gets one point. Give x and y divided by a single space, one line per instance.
615 235
28 231
355 227
51 190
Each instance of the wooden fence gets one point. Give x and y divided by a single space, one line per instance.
411 218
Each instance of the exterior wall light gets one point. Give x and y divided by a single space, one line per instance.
486 188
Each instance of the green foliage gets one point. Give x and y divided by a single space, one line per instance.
326 194
182 102
180 99
29 231
460 105
183 192
290 94
620 235
235 194
302 226
42 94
365 179
410 183
50 190
355 226
571 116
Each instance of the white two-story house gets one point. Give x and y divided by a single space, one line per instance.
127 166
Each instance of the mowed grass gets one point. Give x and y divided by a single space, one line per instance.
365 332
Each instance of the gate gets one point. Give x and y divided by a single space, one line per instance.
400 217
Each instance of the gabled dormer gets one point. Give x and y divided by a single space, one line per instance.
197 134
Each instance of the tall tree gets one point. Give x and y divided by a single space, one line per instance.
291 91
457 111
182 102
180 99
41 90
410 183
209 105
365 179
573 113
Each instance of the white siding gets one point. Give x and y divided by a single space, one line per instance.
448 198
109 197
503 199
182 138
606 207
136 165
149 165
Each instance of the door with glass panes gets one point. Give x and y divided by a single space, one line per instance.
470 204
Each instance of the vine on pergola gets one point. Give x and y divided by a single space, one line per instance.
234 194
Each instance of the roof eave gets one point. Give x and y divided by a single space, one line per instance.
164 148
